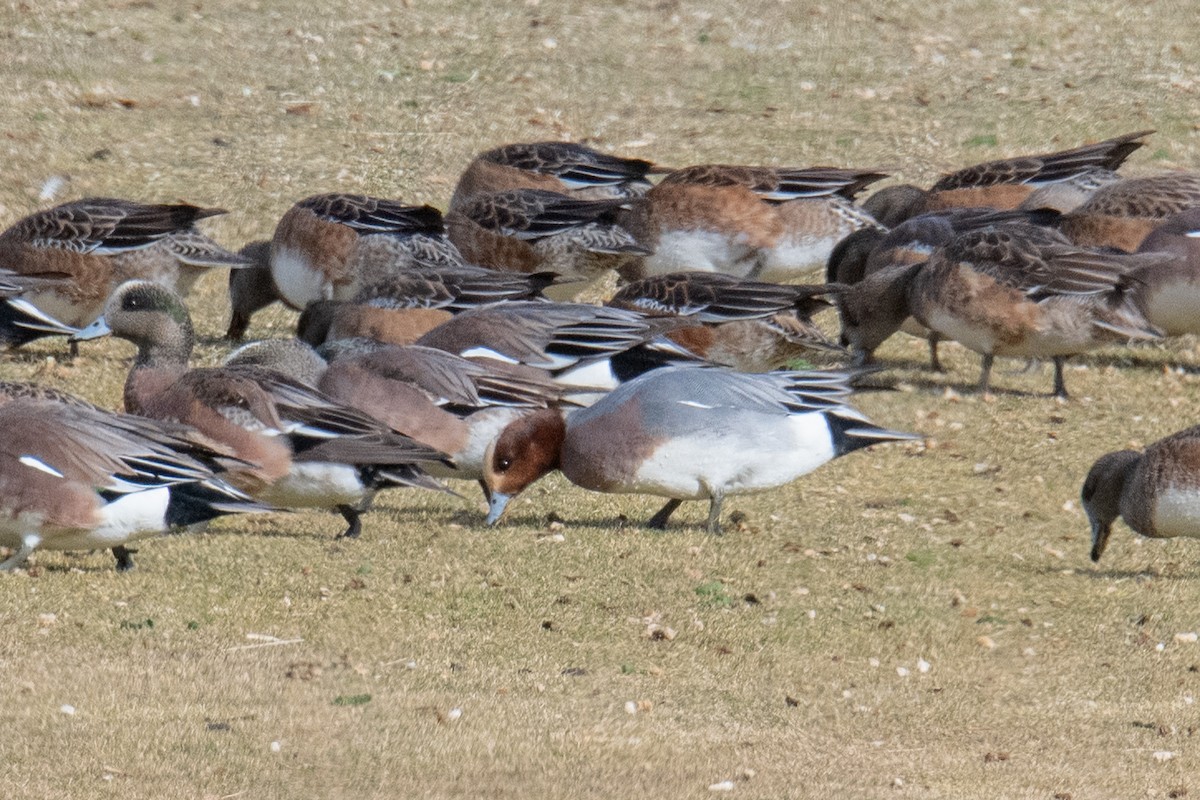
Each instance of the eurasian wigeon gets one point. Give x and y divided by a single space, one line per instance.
564 167
1005 183
1156 492
749 325
1123 214
1009 290
74 477
328 245
763 223
687 433
533 230
300 448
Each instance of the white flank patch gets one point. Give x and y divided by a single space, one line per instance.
596 374
316 484
1177 512
704 251
132 516
1193 234
298 281
38 464
485 352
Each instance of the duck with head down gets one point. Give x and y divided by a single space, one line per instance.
687 433
300 447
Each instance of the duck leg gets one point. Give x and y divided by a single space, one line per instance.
1060 387
659 520
353 519
29 543
124 556
935 363
985 377
714 513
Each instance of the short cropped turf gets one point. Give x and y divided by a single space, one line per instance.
914 620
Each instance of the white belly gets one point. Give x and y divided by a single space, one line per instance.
796 257
1174 307
973 337
298 280
316 484
702 251
1177 513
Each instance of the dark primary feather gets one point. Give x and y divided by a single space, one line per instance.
779 184
373 214
1048 168
105 225
570 162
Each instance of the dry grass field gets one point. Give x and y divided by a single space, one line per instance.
912 621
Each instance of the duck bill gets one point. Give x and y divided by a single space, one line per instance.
497 507
1100 534
94 331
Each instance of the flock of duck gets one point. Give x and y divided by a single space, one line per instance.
433 347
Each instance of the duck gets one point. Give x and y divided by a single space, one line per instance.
591 349
757 223
1155 491
251 288
301 448
76 477
1168 292
1009 290
95 243
870 250
687 433
752 326
1122 214
401 307
453 404
327 245
1008 182
569 168
534 230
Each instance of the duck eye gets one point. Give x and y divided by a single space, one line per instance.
505 463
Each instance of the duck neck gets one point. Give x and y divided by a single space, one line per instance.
170 346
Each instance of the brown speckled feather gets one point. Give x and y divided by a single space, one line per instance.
779 184
1108 154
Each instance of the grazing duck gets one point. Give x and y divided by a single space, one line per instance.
1005 183
1011 290
533 230
328 245
762 223
74 477
251 288
1156 492
95 243
1168 293
401 307
1123 214
687 434
749 325
302 449
590 348
453 404
870 250
563 167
